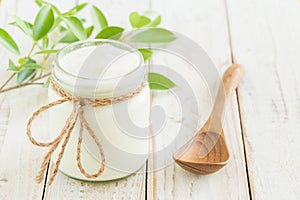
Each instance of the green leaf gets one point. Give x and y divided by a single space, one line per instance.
110 32
138 21
24 26
39 2
75 25
47 83
89 31
12 66
54 8
159 82
146 53
27 69
68 38
24 74
154 17
55 23
25 60
154 35
22 61
75 10
42 23
32 66
98 18
8 42
48 51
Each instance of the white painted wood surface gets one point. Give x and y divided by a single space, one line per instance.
19 160
195 20
265 38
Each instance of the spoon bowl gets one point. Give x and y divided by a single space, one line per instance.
201 158
207 152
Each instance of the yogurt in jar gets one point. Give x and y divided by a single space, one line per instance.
98 69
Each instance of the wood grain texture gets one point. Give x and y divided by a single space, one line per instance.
4 107
132 187
19 159
265 38
204 22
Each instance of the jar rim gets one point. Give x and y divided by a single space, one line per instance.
95 42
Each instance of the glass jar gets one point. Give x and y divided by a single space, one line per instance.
103 69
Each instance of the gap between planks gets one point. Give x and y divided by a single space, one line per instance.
243 132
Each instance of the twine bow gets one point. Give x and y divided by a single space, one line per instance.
77 114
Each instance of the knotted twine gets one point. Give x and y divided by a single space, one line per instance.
77 114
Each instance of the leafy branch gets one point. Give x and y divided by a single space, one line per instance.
51 28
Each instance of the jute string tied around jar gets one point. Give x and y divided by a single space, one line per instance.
76 115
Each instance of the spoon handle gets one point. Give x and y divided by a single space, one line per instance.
231 79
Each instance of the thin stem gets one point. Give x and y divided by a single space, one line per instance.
31 82
46 56
31 50
21 85
8 80
40 77
45 59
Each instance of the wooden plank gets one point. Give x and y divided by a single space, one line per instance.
133 187
265 38
4 108
199 21
19 160
128 188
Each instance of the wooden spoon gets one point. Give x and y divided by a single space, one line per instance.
207 151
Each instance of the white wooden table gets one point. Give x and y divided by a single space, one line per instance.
263 117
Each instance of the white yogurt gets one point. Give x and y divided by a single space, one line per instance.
90 62
104 70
